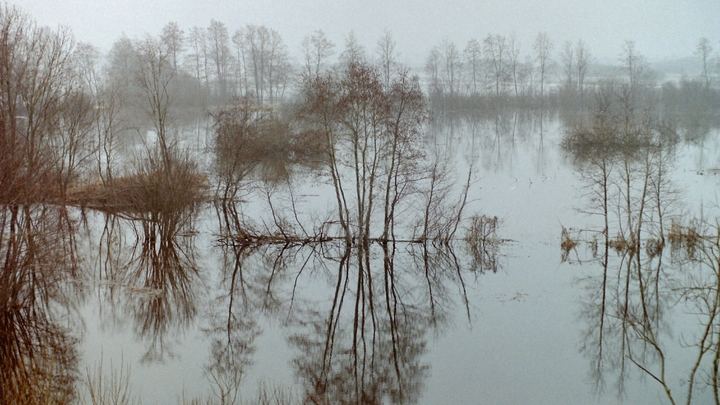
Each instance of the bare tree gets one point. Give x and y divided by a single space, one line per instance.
220 55
173 38
107 97
154 75
372 143
633 64
37 70
198 56
121 62
387 56
268 61
567 58
703 51
241 64
353 52
432 70
473 64
37 260
496 55
317 49
278 66
583 59
514 61
451 66
542 47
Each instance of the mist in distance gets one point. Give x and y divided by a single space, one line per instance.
661 29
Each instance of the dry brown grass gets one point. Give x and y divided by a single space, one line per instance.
654 247
684 237
623 245
567 243
152 188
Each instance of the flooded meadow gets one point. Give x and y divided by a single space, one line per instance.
539 271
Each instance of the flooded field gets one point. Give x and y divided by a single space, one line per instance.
528 303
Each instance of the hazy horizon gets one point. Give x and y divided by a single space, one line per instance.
660 29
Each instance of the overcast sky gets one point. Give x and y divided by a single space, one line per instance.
660 28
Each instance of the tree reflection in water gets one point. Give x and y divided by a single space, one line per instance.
154 278
362 343
624 159
38 354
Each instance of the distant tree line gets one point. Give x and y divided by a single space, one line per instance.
214 64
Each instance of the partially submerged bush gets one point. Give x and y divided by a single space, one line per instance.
684 237
156 185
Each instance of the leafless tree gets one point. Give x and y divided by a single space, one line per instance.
154 75
108 99
173 38
451 66
38 260
514 61
387 56
567 58
633 64
703 50
583 59
353 52
496 51
198 56
267 61
473 65
220 55
432 70
318 50
542 48
121 62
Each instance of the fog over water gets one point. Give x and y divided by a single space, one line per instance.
359 203
661 28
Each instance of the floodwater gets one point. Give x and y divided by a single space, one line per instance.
187 312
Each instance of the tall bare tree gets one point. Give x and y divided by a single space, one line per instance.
220 55
154 75
268 62
353 52
317 50
583 59
387 56
514 61
542 48
451 66
241 64
473 65
567 58
173 38
432 70
199 56
633 64
496 54
703 51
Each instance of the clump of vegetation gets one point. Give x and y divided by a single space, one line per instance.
654 247
621 244
481 239
567 243
481 230
154 186
109 389
684 237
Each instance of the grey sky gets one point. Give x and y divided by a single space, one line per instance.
661 28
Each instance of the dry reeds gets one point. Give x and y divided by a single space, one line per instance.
685 237
112 389
153 187
567 244
654 247
481 230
